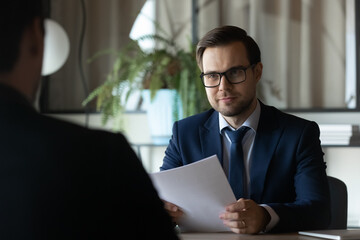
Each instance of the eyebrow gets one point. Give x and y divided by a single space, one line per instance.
239 66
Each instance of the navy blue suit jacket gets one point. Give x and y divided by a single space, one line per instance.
288 170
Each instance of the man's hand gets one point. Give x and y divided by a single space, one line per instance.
245 216
173 210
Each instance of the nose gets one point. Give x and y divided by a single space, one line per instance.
224 83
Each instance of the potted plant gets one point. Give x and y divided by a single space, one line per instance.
164 67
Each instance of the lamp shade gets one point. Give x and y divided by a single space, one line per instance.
56 47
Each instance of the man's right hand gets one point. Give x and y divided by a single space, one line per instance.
173 210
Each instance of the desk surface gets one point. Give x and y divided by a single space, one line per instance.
234 236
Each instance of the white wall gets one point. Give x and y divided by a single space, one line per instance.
342 162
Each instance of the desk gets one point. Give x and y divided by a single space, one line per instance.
234 236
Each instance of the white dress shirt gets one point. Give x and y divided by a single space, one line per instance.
247 143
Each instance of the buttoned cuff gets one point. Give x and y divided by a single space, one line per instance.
274 218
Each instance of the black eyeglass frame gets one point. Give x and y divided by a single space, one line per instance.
224 74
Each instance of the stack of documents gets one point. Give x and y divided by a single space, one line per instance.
336 134
201 190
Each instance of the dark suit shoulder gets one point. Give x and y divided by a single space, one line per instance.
197 119
288 126
73 132
271 112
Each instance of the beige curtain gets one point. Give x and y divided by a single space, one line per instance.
108 24
302 44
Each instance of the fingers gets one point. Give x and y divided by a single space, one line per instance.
236 221
241 226
170 206
232 216
174 211
235 217
236 211
244 216
237 226
241 205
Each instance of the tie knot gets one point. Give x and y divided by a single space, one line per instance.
237 136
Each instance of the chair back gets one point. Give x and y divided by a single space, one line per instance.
338 203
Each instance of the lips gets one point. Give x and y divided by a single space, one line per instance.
226 99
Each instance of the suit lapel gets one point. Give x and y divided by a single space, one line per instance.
266 140
210 137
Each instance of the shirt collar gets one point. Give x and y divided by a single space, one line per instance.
252 121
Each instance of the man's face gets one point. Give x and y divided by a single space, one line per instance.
227 98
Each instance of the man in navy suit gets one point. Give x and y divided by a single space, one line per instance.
59 180
284 171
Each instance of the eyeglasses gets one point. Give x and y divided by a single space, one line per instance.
233 75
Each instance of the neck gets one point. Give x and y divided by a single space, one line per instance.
23 87
238 120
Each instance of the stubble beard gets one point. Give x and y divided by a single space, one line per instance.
235 109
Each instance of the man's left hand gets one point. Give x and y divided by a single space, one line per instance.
245 216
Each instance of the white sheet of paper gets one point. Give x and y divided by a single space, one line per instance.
201 190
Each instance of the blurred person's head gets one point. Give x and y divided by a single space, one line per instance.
21 44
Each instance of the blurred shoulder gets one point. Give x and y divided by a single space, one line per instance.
71 132
283 116
198 118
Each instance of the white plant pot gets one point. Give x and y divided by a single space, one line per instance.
160 112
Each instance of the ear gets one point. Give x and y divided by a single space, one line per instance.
36 37
258 71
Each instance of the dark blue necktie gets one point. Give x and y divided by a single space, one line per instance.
237 172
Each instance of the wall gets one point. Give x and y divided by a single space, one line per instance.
342 162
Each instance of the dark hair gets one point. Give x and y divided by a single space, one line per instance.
228 34
15 16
